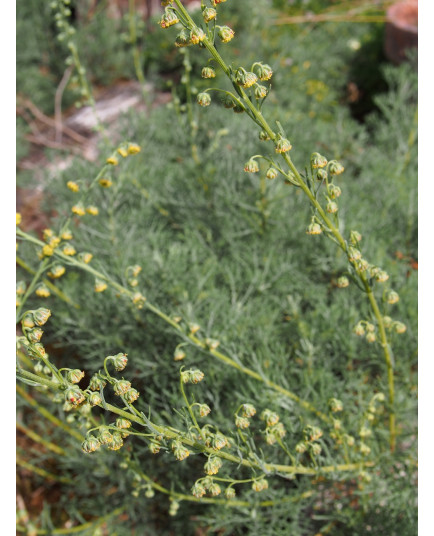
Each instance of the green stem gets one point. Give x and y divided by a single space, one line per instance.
190 409
42 267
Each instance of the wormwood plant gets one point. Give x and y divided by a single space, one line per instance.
250 448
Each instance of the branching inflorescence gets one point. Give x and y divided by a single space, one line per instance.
237 446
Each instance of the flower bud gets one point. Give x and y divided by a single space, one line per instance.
392 297
230 493
332 207
314 229
209 14
226 34
133 148
90 444
73 186
342 282
264 71
278 430
42 291
381 276
94 399
312 433
74 396
92 210
238 109
251 166
154 447
301 448
359 330
371 337
18 218
174 507
269 417
335 405
242 422
219 441
57 271
122 151
335 168
66 235
355 237
321 174
105 182
100 285
179 450
122 423
204 410
263 136
47 251
214 489
259 485
208 72
248 410
112 160
119 361
317 161
169 18
245 79
105 437
212 344
213 465
20 288
116 443
121 387
260 92
34 335
204 99
349 440
194 328
272 173
387 321
283 145
96 383
131 395
399 327
316 449
27 321
334 191
74 376
354 254
364 449
192 376
198 490
179 354
183 38
78 209
197 35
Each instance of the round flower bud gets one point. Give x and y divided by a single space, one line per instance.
251 166
214 489
105 437
354 254
248 410
139 300
105 182
242 422
208 72
74 376
219 441
78 209
226 34
381 276
34 335
263 136
315 449
399 327
57 271
359 330
194 328
96 383
42 291
230 493
133 148
213 465
47 251
120 361
196 36
334 191
364 449
122 151
74 396
238 109
335 405
92 210
272 173
228 102
321 174
183 38
260 92
349 440
312 433
90 444
264 71
314 229
245 79
20 288
212 344
27 321
66 235
149 493
73 186
278 430
209 14
204 410
179 450
131 395
335 168
371 337
203 99
94 399
387 321
355 237
317 161
198 490
392 297
121 387
179 354
174 507
332 207
168 19
116 443
41 315
122 423
342 282
301 447
154 447
100 285
283 145
269 417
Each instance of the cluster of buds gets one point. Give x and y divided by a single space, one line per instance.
260 485
365 329
203 485
311 434
127 149
31 324
216 441
263 71
192 376
274 429
247 412
138 300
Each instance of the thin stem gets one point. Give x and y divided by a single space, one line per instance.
190 409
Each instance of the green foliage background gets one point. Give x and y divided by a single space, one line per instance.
265 292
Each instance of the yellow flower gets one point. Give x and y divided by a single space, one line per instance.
112 160
47 251
133 148
93 210
78 209
123 152
100 286
73 186
57 271
18 216
69 250
86 257
105 183
42 291
66 235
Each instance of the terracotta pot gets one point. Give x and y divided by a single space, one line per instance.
401 30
